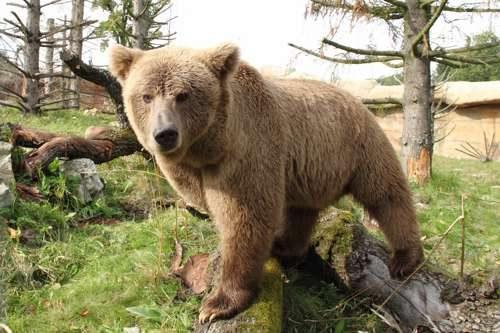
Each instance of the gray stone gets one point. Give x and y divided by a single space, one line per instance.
90 184
7 180
6 174
6 196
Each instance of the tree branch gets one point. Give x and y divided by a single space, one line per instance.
13 4
366 60
39 105
397 3
469 60
12 92
2 31
50 3
10 63
18 107
441 51
382 12
470 10
63 28
387 100
47 75
386 53
428 26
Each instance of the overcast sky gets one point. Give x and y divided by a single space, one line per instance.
262 29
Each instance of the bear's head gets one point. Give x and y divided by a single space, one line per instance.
172 95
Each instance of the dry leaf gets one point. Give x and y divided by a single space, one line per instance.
84 312
13 233
194 273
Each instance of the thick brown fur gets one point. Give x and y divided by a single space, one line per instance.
263 156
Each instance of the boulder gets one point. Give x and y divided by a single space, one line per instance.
90 184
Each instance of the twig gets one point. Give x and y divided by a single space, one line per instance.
462 258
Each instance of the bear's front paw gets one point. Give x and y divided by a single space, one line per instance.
404 262
225 304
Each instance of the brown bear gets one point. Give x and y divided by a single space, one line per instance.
263 156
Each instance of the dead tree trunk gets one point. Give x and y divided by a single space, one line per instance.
76 43
416 148
140 26
32 56
49 56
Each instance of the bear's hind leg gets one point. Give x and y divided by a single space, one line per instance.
383 189
292 245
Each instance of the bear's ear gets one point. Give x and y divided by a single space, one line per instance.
223 59
121 59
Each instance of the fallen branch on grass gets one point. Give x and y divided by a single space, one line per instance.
101 145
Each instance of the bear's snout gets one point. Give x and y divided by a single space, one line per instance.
167 137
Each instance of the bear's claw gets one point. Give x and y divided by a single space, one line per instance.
405 262
221 306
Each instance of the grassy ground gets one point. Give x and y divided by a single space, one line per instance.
103 267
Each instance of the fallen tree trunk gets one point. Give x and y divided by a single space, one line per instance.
100 145
428 299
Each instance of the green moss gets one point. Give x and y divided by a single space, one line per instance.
334 236
265 315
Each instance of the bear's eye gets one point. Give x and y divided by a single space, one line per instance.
147 98
181 97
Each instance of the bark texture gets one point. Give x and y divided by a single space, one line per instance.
76 43
141 25
416 149
49 56
32 56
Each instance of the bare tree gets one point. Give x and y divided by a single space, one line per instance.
414 18
31 99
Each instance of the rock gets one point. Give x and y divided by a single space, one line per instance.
6 196
7 180
134 329
90 184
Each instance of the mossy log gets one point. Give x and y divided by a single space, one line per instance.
265 314
101 145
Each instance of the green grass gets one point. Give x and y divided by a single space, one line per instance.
67 121
82 277
112 268
440 205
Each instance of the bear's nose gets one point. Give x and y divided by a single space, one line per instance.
167 137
